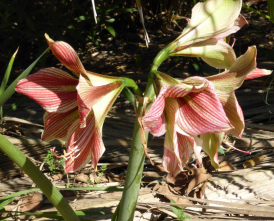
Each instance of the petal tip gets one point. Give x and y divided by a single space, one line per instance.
49 40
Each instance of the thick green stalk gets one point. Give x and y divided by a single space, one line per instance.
137 156
131 83
39 179
134 175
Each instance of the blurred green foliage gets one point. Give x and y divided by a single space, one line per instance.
24 23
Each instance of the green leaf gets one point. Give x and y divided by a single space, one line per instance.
82 17
6 202
38 177
19 193
221 150
111 20
111 30
110 189
10 90
70 26
179 212
270 6
128 95
126 10
6 77
18 103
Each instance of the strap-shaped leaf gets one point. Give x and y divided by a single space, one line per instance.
10 90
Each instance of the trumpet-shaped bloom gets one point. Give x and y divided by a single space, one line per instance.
210 21
196 106
75 108
183 110
225 85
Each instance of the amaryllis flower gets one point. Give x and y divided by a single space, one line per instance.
225 85
186 108
183 110
210 22
75 108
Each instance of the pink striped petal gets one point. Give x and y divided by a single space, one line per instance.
154 121
176 140
66 55
233 112
258 73
99 79
198 83
170 163
83 145
211 144
234 77
57 124
178 90
90 95
202 113
193 142
238 24
52 88
102 107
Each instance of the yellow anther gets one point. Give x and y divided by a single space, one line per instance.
71 157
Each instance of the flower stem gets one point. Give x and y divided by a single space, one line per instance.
257 12
39 179
137 156
130 83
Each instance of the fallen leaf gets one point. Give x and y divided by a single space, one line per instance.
115 178
197 180
57 177
226 166
32 203
254 161
82 178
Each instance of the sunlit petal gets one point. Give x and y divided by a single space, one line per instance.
202 113
258 73
234 77
57 124
238 24
99 79
89 95
211 144
217 54
233 112
170 163
154 121
83 145
210 19
66 55
52 88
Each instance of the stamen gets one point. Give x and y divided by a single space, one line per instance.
71 157
234 40
231 146
53 151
